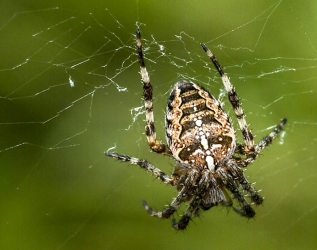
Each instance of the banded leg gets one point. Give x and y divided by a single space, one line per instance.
191 212
238 175
234 100
230 183
167 212
145 165
266 141
154 144
181 197
248 149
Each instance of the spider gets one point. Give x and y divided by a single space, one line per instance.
202 141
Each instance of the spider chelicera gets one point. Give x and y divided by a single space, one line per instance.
202 141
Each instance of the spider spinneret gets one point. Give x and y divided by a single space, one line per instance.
202 141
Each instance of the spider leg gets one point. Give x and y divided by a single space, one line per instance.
227 201
237 173
191 211
230 183
145 165
248 149
181 197
167 212
154 144
266 141
234 100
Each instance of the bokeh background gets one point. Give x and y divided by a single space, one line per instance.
59 191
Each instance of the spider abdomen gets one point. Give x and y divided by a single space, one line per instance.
198 131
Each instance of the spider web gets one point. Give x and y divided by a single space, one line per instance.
71 90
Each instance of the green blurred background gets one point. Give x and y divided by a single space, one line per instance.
58 189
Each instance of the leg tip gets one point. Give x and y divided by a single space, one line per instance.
138 34
245 211
204 47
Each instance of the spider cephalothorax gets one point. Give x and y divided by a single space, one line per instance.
202 141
